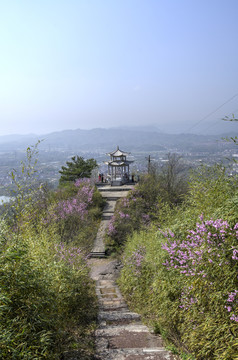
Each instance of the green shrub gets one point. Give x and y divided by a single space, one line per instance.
181 273
45 288
47 300
132 213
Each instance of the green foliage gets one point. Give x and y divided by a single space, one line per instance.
47 300
41 295
197 313
77 168
132 213
74 212
150 200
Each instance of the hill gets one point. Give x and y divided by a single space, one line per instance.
104 140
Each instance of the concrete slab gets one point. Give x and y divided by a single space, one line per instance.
118 316
114 194
109 207
126 187
99 244
117 330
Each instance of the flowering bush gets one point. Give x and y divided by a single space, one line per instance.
75 202
135 261
78 204
75 213
47 300
71 255
207 256
131 214
187 283
207 244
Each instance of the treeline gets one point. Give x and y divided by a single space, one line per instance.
178 240
48 302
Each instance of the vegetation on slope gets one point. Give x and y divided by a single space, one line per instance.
48 303
180 270
151 200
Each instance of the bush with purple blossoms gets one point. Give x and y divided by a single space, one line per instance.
208 258
47 300
132 213
187 286
75 211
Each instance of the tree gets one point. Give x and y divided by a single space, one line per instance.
172 179
77 168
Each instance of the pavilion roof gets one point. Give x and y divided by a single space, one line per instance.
118 152
119 163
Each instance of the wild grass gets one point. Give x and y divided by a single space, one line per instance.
181 271
47 300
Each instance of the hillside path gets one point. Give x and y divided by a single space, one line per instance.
120 334
111 194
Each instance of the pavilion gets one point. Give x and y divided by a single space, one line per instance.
118 167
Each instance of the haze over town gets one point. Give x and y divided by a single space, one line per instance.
101 64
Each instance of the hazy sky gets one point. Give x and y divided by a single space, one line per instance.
102 63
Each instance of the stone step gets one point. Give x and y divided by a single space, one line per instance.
115 188
106 216
106 318
111 303
135 354
107 292
110 206
117 330
122 307
107 213
99 255
114 194
127 337
112 198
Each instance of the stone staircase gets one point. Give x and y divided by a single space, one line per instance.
111 194
120 334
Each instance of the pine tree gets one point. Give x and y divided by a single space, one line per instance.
77 168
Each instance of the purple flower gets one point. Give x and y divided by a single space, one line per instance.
235 254
71 256
202 246
135 261
234 318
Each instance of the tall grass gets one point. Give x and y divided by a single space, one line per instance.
47 300
42 295
181 273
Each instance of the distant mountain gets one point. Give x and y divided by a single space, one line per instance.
129 139
147 128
